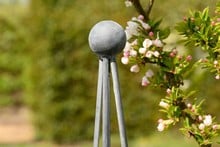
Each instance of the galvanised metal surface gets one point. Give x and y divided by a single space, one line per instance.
106 39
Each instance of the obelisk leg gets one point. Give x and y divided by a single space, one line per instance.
119 109
98 106
106 103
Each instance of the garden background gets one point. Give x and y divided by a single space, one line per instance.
48 70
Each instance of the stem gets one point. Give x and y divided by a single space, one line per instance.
141 10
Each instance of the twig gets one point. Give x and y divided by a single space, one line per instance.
140 9
148 9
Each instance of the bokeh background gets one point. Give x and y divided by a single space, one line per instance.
48 74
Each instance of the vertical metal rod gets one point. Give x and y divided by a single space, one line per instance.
118 103
106 103
98 106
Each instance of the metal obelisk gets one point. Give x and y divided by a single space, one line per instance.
106 39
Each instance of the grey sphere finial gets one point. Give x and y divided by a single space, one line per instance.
107 38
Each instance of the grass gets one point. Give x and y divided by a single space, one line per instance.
164 139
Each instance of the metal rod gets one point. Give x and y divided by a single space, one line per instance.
106 103
119 109
98 106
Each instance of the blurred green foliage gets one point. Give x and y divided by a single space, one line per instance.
46 65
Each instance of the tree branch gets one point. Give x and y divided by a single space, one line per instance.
149 8
140 9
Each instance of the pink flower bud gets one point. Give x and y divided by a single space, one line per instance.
172 54
141 17
126 53
151 34
215 127
189 58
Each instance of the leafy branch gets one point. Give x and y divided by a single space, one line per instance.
145 47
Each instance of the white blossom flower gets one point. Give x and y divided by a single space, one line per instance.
126 53
200 118
207 120
125 60
134 19
135 68
145 81
201 126
149 54
128 3
215 62
147 43
142 50
131 29
161 127
156 54
160 120
189 105
133 53
145 25
164 104
158 43
217 77
168 91
127 47
134 42
149 73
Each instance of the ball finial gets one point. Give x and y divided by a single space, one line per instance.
107 38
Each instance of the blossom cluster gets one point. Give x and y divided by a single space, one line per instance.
166 68
196 123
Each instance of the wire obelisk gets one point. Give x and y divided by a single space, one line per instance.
106 39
